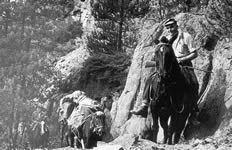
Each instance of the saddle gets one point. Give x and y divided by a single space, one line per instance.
151 86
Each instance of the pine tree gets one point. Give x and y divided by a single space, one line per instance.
219 13
28 47
108 44
117 15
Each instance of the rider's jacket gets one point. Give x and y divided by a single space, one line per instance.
183 44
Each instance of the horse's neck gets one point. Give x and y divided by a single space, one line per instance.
88 125
176 71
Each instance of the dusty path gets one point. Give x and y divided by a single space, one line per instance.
222 143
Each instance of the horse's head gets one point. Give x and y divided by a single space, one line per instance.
166 60
98 123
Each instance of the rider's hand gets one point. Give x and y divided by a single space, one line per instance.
179 60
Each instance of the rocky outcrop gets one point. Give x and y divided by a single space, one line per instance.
73 61
213 69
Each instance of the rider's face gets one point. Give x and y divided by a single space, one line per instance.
172 29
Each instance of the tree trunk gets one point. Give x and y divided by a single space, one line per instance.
11 125
7 19
119 48
16 126
160 10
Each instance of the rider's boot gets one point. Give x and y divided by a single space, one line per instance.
142 110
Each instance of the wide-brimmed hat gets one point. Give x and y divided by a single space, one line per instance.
170 22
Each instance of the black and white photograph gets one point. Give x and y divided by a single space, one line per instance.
115 74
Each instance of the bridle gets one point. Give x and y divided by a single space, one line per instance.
160 56
96 127
93 118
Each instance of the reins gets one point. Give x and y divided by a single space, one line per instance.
202 95
84 121
197 69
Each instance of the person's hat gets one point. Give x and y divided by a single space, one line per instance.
170 22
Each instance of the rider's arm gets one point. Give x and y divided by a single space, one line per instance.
192 50
188 57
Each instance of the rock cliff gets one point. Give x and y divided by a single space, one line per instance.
74 60
213 69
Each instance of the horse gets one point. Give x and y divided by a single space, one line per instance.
39 135
66 107
169 94
64 111
87 124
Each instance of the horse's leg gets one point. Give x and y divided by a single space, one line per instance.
47 139
87 134
179 127
87 141
44 141
176 137
66 136
61 134
172 128
71 138
177 131
155 126
83 144
164 124
181 122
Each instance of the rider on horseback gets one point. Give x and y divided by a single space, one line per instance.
182 44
